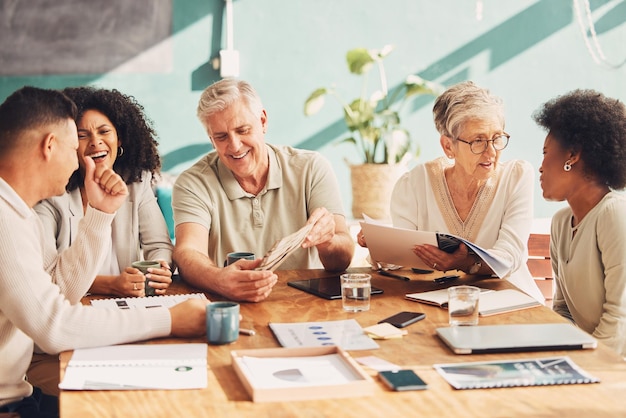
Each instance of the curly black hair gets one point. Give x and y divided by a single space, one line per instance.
134 130
593 124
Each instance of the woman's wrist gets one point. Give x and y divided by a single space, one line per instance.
474 264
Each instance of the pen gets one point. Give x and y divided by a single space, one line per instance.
395 276
445 279
421 271
245 331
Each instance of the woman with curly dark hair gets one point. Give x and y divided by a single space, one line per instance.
584 162
114 131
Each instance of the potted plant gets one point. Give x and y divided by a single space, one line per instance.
373 120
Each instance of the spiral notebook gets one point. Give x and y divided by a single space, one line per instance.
501 374
137 366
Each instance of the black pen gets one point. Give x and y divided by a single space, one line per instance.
395 276
445 279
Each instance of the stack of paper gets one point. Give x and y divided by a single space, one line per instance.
283 248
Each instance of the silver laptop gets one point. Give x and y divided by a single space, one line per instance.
515 337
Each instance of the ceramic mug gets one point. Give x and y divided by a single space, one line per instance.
232 257
143 267
222 322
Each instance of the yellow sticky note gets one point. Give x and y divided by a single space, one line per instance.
384 331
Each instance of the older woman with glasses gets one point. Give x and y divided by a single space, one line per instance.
470 192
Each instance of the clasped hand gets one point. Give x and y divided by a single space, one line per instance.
131 281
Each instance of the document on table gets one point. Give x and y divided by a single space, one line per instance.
346 334
137 366
388 244
166 301
511 373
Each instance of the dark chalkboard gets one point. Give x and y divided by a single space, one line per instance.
39 37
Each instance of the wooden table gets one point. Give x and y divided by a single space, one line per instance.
419 350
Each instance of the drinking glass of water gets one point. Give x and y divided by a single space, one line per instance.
463 305
355 291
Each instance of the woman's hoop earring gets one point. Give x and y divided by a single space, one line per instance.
567 166
120 151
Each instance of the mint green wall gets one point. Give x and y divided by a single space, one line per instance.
525 51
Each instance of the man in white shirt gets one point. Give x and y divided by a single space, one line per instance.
38 142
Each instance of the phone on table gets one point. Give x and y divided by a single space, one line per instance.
403 319
405 379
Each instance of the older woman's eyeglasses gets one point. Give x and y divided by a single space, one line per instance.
478 146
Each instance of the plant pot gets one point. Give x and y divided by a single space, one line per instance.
372 185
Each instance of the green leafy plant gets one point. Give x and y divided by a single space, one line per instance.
374 121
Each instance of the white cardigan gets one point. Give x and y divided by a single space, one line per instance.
500 224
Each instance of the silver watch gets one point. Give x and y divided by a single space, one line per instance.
475 267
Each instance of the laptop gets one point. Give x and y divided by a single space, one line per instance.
515 337
324 287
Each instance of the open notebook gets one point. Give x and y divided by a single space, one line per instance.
491 302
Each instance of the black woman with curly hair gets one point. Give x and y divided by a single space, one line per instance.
113 131
584 163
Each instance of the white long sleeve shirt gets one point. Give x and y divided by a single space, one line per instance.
33 309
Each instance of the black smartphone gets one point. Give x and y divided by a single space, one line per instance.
405 379
402 319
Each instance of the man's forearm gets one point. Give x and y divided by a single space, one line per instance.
196 268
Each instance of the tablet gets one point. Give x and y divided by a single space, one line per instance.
324 287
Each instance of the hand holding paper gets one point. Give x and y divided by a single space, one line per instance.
395 245
283 248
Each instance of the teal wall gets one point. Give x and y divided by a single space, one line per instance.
525 51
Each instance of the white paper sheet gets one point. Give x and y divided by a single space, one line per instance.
394 245
137 366
346 334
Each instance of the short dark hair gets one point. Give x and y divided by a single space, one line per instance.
134 130
593 124
31 108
